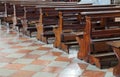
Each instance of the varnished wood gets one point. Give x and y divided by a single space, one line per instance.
73 12
116 48
91 36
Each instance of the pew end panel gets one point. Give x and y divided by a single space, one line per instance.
92 42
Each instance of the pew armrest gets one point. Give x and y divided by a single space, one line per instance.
78 33
114 43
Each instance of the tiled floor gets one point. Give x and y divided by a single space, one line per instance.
28 57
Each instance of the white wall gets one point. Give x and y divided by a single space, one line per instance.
101 2
104 1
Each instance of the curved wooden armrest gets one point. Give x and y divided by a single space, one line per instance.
114 44
55 26
78 33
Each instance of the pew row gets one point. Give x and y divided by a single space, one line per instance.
70 20
48 20
32 16
92 44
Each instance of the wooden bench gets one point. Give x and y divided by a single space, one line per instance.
18 14
2 8
92 41
2 13
32 16
10 9
70 21
116 48
48 20
10 14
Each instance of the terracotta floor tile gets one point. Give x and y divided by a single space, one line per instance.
36 44
7 60
24 51
17 47
41 62
23 38
44 48
52 69
63 59
54 53
23 73
12 43
14 66
90 73
31 56
49 63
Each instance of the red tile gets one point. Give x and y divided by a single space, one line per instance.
23 38
35 44
23 73
14 66
63 59
52 69
90 73
41 62
12 43
44 48
17 47
31 56
24 51
12 32
54 53
7 60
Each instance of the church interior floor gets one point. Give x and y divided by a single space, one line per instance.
21 56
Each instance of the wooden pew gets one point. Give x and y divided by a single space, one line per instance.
92 41
32 16
116 48
2 13
41 32
48 20
10 9
70 20
35 3
10 14
19 15
2 9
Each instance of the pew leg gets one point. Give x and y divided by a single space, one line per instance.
65 48
30 34
83 53
116 70
94 61
39 32
57 41
39 36
45 39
